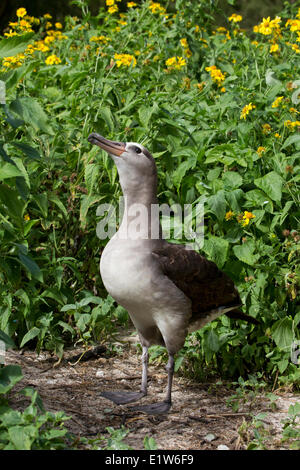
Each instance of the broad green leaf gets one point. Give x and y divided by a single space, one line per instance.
32 113
86 202
7 170
11 200
271 184
181 170
42 202
292 139
245 252
282 333
30 335
145 113
9 376
217 204
216 248
212 341
31 266
56 200
7 340
106 114
27 149
232 180
91 173
14 45
22 437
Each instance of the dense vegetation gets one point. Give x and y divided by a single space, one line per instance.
219 110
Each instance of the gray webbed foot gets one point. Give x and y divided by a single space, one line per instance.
121 398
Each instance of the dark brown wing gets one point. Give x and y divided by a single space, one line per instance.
200 280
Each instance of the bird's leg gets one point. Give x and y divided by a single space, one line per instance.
164 406
170 370
145 356
121 398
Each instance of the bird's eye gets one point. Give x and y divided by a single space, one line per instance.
137 150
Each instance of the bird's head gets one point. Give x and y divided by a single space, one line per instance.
136 166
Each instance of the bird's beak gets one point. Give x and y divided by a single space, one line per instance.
115 148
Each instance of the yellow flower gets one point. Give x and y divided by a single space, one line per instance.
274 48
291 124
247 216
293 24
13 62
277 102
235 18
41 46
100 38
229 215
266 128
260 150
246 110
26 217
175 63
216 74
156 8
21 12
223 89
131 4
109 3
268 26
184 42
47 16
58 25
10 34
52 60
113 9
278 136
125 59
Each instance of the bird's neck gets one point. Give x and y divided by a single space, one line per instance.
141 217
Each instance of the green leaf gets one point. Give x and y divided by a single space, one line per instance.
30 335
9 376
55 199
181 170
212 341
15 207
22 437
42 202
150 443
14 45
86 202
7 170
106 114
292 139
145 113
217 205
282 333
27 149
232 180
7 340
31 266
216 248
271 184
91 174
32 113
245 252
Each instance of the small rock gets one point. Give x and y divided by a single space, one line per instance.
210 437
100 373
222 447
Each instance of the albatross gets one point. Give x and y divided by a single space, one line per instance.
168 290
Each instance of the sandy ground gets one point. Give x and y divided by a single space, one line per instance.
198 419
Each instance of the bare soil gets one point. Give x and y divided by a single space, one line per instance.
199 418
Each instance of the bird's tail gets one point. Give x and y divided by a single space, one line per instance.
237 314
